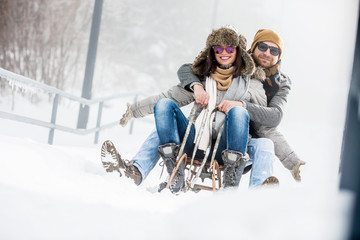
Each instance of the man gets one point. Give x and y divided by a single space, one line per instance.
266 50
264 53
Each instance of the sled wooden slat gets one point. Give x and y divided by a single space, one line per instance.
198 163
203 187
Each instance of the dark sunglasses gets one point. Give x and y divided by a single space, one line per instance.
220 49
264 47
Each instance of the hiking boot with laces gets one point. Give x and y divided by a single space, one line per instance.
168 152
132 172
110 157
271 181
240 168
112 161
234 165
178 182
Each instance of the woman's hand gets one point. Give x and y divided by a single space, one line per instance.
226 105
201 96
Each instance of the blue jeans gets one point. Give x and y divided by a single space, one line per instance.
171 125
148 155
262 158
260 150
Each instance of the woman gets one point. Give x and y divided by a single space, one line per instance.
226 66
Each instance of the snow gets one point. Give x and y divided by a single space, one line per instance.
61 191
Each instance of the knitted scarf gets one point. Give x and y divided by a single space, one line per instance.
272 81
223 77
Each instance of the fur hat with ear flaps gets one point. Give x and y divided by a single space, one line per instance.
225 36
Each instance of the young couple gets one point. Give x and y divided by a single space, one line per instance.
249 92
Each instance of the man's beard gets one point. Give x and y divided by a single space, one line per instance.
263 57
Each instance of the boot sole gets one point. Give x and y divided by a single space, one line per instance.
110 157
271 181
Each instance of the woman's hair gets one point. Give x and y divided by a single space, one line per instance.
210 64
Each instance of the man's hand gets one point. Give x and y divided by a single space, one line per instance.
226 105
201 96
126 117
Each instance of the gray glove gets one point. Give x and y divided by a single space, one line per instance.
126 117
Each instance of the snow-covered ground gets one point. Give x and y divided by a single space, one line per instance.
61 191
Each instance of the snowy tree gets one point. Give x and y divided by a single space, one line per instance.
44 40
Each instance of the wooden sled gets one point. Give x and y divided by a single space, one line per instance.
207 172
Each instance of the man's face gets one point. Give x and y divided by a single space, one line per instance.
265 58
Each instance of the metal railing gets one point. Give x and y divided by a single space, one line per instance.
14 78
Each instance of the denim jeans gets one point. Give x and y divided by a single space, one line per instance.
148 155
260 150
262 158
171 125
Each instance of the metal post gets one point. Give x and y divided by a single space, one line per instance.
350 153
101 104
53 118
90 64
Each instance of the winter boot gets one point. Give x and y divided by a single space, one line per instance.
110 157
112 161
271 181
168 152
132 172
240 169
234 165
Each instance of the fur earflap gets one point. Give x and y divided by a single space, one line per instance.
242 42
259 74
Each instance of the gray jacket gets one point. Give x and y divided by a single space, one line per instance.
264 118
269 116
182 97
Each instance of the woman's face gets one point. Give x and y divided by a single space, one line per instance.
225 55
